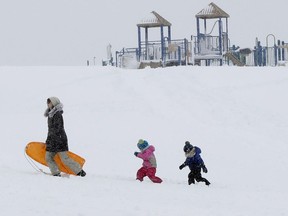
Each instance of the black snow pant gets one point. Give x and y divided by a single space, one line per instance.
195 174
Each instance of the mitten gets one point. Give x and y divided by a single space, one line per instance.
204 169
136 153
181 166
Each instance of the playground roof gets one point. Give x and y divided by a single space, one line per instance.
211 12
155 20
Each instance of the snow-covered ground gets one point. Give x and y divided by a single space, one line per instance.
237 116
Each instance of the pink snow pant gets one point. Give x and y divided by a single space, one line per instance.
150 172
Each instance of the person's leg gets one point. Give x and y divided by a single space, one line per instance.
151 174
199 177
67 161
51 163
141 173
191 177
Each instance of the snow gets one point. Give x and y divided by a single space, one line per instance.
237 116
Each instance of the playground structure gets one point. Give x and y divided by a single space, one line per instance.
211 45
163 52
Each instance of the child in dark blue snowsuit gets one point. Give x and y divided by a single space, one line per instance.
195 163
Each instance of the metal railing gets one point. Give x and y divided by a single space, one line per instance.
268 56
176 52
202 50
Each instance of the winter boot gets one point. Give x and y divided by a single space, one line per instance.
82 173
155 179
207 182
191 181
57 174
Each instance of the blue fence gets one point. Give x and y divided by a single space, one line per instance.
268 56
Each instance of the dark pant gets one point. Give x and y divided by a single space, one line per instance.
150 172
195 174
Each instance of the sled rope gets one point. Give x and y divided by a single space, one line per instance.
33 164
37 168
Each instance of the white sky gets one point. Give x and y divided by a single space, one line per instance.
70 32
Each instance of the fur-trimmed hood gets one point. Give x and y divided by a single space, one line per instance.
190 153
50 113
193 158
195 151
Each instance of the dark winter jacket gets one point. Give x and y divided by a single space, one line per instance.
193 158
56 139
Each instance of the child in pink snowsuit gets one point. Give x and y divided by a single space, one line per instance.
149 162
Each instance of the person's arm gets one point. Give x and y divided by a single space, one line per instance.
184 164
146 154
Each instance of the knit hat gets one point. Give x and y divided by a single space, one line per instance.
142 144
54 100
187 147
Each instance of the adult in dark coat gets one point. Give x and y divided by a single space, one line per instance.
195 163
56 142
57 138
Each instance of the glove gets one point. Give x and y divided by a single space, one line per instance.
181 166
136 153
204 169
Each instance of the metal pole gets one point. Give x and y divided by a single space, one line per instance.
169 33
139 43
116 58
162 46
146 43
220 39
198 35
279 50
283 53
268 45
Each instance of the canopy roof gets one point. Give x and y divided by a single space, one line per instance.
154 20
211 12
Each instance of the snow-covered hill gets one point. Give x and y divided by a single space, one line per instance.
237 116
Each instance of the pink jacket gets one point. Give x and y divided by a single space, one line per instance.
148 157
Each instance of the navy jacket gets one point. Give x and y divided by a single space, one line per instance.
194 160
